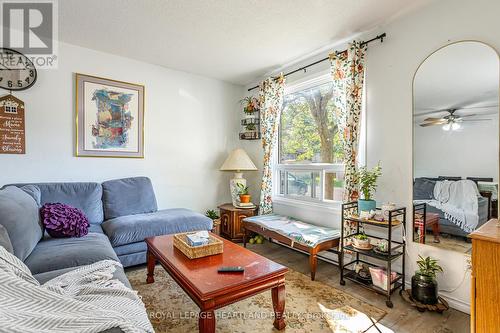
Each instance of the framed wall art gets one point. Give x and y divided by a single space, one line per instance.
109 118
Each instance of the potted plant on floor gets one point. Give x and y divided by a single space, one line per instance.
424 287
243 193
367 182
212 214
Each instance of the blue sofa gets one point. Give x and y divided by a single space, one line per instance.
122 213
423 189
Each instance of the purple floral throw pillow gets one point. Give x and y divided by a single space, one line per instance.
61 220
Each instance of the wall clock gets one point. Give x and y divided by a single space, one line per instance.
17 71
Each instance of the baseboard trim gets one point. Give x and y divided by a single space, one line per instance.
453 302
457 304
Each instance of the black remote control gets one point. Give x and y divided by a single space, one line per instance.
231 269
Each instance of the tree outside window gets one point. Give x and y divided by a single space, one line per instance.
309 133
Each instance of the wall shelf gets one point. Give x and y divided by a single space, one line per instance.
251 126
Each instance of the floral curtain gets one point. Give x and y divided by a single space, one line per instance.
271 102
348 71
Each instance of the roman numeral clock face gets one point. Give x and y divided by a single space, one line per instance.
17 71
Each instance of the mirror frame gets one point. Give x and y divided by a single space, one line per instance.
412 123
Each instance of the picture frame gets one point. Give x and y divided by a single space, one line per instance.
109 117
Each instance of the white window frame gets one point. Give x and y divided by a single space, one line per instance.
322 168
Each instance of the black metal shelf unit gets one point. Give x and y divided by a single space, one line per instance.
396 250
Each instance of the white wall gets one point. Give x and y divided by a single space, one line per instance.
188 130
390 69
457 153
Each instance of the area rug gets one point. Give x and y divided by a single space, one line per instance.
309 307
450 243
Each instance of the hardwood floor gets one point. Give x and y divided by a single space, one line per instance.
402 318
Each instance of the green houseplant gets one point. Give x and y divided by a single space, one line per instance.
243 192
367 183
361 241
250 105
212 214
424 287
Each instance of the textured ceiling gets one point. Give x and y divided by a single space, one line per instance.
231 40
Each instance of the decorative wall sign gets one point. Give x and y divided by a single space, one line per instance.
12 132
110 118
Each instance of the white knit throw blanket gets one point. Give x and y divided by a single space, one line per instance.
84 300
459 202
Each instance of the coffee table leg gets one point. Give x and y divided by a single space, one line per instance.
206 321
278 295
151 259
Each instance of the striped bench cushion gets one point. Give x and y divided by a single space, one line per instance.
298 231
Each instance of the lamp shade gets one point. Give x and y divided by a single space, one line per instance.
238 160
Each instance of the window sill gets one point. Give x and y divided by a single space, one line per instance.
331 207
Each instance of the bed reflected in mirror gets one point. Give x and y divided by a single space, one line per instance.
455 144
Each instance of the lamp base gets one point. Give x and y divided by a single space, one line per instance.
238 179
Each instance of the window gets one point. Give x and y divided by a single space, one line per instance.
309 163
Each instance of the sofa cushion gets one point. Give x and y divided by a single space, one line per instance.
84 196
128 196
133 259
5 240
135 228
423 189
58 253
34 192
130 248
96 228
19 215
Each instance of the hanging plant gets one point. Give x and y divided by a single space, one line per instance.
250 127
250 104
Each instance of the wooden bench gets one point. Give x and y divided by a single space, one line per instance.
259 226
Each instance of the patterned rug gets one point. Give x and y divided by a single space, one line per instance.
309 307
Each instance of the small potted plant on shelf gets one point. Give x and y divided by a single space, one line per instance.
424 287
367 182
361 241
243 193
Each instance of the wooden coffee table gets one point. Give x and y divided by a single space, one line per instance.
211 290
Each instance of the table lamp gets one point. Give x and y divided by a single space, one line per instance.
237 161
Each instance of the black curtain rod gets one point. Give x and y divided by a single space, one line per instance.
303 68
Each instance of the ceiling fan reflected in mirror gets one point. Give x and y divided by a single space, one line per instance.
452 121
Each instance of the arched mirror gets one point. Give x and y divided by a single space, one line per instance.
455 144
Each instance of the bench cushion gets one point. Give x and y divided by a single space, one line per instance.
298 231
136 228
128 196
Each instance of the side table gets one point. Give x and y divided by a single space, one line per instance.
231 218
